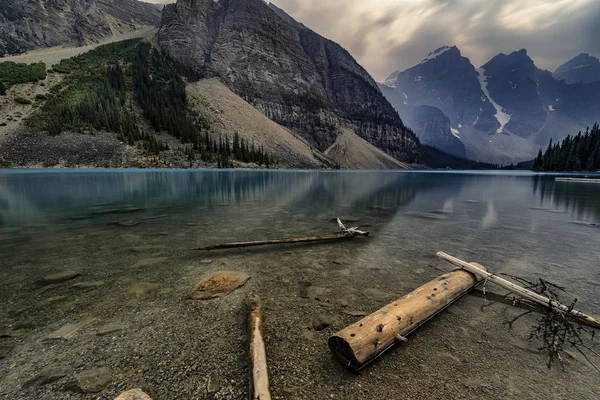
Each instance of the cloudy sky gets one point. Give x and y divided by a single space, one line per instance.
387 35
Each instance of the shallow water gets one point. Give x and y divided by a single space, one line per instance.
101 223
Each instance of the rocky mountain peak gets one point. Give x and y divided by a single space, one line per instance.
581 69
293 75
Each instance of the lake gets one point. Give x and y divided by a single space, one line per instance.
128 236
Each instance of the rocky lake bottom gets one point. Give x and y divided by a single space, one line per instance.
96 272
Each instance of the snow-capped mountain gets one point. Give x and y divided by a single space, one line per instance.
581 69
502 112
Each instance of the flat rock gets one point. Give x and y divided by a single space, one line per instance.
427 215
471 201
69 331
218 284
134 394
94 380
110 329
146 249
585 223
140 291
45 378
213 383
150 262
87 285
60 277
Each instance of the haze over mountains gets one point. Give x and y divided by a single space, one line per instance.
502 112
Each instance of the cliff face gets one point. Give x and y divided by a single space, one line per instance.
31 24
294 76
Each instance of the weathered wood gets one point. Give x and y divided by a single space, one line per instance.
362 342
579 316
578 180
259 378
346 233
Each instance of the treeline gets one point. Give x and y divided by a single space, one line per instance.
12 73
439 159
103 87
575 153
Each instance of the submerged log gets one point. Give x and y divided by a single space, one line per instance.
362 342
527 294
259 378
346 233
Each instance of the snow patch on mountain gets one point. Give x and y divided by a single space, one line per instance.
455 132
435 54
502 117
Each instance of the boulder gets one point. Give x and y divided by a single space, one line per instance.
218 284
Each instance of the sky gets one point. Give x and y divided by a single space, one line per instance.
389 35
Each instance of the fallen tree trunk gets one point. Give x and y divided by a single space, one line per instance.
346 233
579 316
259 378
362 342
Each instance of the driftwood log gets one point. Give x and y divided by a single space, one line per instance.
361 343
527 294
346 233
259 378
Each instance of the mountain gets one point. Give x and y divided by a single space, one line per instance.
581 69
27 25
502 112
296 77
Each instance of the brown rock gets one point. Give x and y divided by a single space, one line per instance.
139 291
134 394
68 331
218 284
93 381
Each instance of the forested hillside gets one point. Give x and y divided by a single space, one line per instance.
575 153
118 88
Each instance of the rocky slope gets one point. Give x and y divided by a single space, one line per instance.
581 69
28 25
502 112
294 76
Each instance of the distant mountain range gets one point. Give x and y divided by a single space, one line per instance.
503 112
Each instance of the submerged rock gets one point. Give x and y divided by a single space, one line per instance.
320 322
51 300
45 377
110 329
69 331
218 284
129 238
139 291
93 381
60 277
128 224
150 262
5 349
134 394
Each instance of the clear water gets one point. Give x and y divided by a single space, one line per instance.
51 221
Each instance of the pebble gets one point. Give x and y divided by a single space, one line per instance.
93 381
60 277
356 313
134 394
150 262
